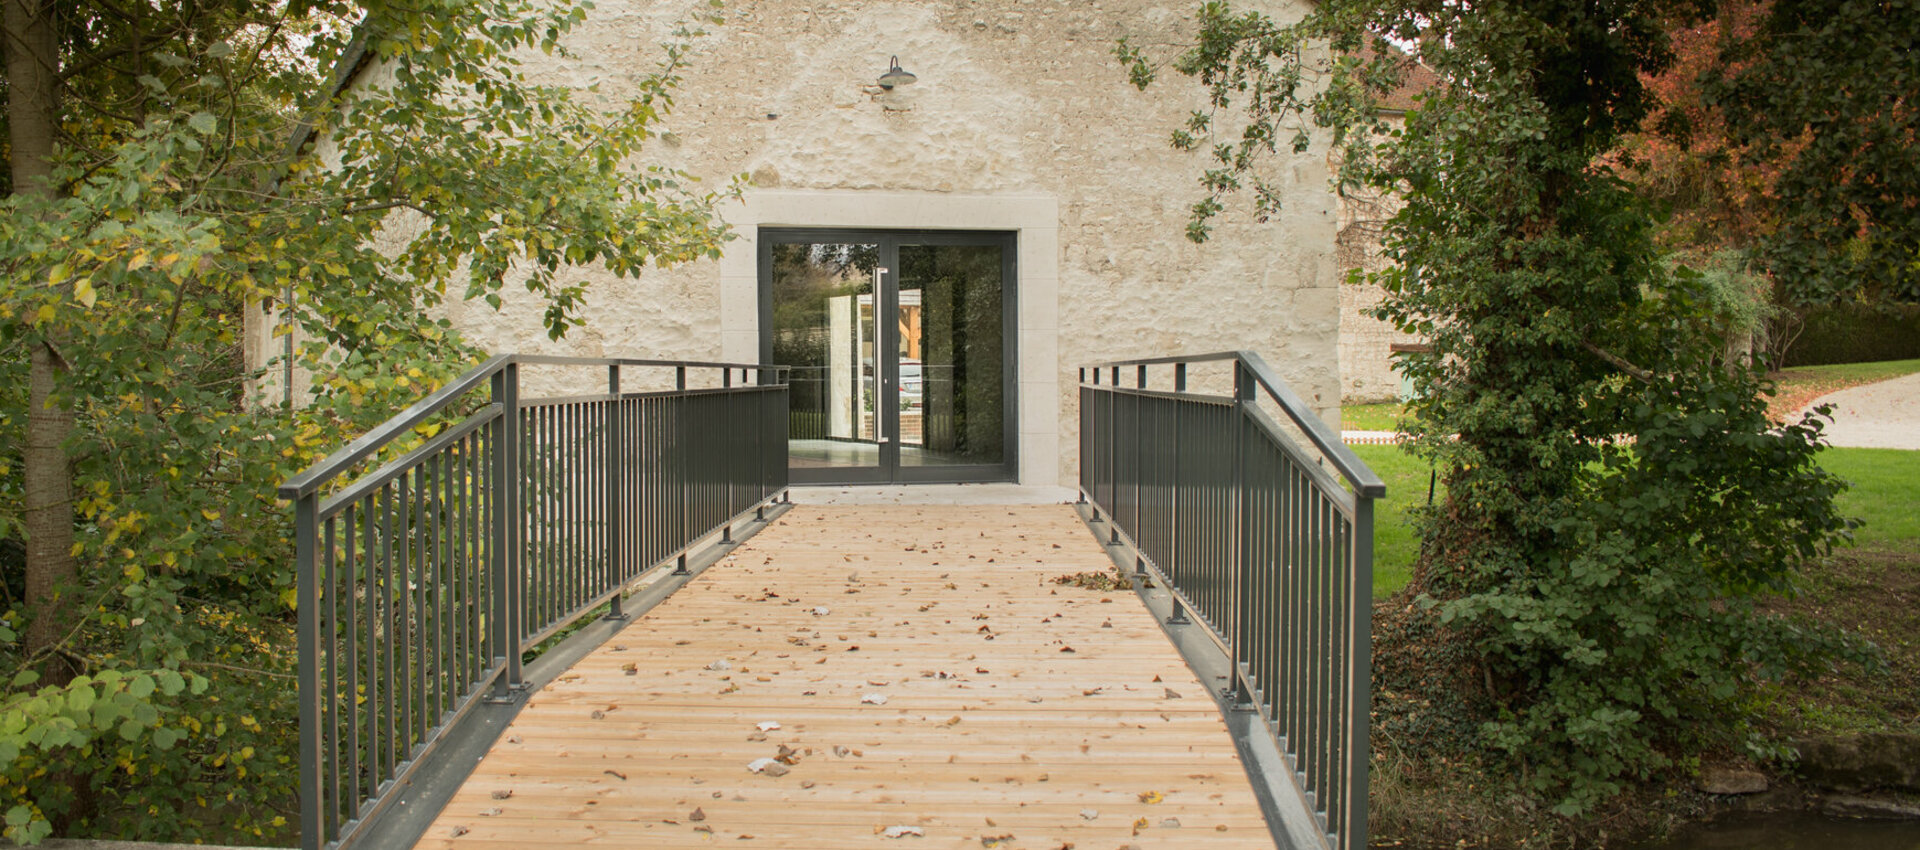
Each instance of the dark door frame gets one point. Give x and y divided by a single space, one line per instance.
886 303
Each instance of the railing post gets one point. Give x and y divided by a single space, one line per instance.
306 533
1243 385
1360 675
508 577
615 514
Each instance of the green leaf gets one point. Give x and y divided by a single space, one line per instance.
203 122
80 699
141 687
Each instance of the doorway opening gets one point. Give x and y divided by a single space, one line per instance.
901 345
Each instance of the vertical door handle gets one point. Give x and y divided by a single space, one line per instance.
880 396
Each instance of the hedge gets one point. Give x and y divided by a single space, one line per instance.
1856 333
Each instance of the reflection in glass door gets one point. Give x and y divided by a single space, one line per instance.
900 349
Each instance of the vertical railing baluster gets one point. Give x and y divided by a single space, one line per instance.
311 779
352 568
616 481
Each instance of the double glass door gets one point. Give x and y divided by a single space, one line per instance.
901 350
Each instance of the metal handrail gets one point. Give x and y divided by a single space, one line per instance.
1249 532
423 582
365 445
1357 473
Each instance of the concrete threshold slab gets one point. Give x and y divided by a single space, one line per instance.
932 494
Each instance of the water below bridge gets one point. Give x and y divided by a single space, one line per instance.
1792 831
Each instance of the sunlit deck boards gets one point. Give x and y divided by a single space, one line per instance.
1012 706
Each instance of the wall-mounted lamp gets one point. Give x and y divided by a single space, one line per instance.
895 75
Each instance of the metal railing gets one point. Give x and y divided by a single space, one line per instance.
423 582
1250 532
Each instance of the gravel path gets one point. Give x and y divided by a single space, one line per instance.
1885 415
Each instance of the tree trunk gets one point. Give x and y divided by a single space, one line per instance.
49 513
33 92
32 117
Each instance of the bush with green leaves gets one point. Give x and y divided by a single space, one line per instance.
147 657
1615 497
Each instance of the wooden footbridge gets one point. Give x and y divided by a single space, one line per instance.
602 621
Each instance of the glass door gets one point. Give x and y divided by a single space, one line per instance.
901 350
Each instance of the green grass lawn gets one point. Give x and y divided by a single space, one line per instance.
1885 494
1394 546
1864 373
1370 417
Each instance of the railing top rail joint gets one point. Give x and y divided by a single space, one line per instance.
1364 480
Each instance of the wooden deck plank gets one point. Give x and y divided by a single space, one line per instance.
1013 706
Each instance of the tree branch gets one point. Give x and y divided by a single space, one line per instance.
1617 361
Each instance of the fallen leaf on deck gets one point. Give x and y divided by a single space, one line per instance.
822 611
1172 694
995 840
769 725
720 665
903 831
698 814
874 699
460 830
502 794
1089 814
768 766
1139 825
1151 797
614 773
1171 823
489 813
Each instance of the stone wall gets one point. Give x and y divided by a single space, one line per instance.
1366 343
1020 120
